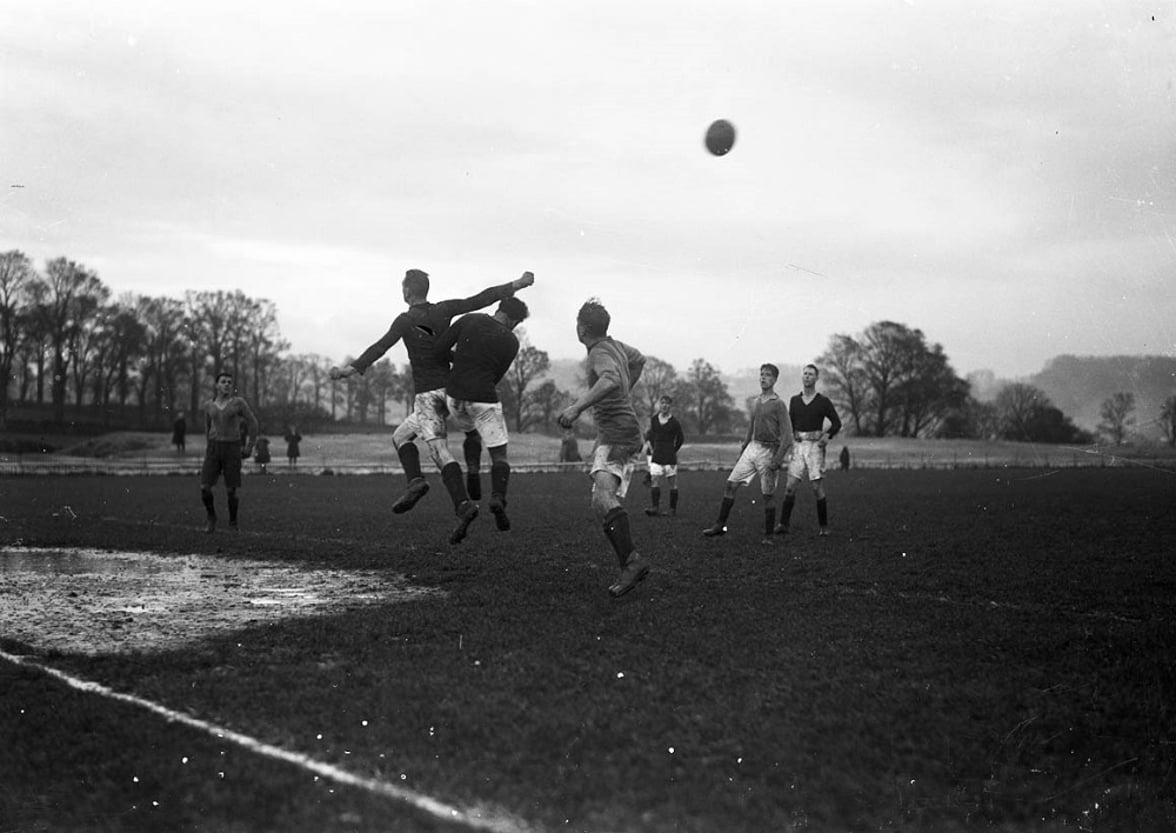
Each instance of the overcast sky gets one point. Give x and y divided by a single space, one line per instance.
999 175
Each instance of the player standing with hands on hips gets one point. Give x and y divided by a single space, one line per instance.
420 326
662 442
231 430
808 411
613 369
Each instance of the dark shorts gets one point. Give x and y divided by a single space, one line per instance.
221 458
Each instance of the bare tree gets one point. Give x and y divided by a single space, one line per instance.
529 364
659 377
1168 420
709 400
1016 406
1116 416
16 275
74 292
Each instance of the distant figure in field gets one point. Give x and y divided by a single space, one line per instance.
765 448
293 445
262 454
613 369
419 327
483 348
227 418
808 411
844 458
569 448
180 433
662 441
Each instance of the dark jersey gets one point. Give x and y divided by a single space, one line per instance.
665 438
420 326
483 349
811 417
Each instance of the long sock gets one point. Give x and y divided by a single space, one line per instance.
673 500
410 460
472 452
725 510
655 497
453 479
769 519
786 509
616 529
822 512
206 499
499 478
233 504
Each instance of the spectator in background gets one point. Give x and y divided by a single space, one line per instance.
293 450
262 454
180 433
844 458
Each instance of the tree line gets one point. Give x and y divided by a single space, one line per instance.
65 340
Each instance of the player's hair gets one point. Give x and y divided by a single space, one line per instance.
771 368
514 309
594 318
417 282
816 369
219 375
665 397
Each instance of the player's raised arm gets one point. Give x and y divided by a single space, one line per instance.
486 297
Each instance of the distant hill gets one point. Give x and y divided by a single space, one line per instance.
1078 385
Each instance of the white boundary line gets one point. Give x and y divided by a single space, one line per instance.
432 806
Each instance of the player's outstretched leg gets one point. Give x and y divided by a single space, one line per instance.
209 510
499 479
465 509
654 500
720 526
786 513
472 452
234 504
410 461
633 567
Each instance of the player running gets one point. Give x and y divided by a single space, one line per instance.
613 369
230 429
483 347
419 327
808 411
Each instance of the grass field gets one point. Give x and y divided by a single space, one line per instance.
152 453
985 649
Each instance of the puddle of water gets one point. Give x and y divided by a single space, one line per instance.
95 601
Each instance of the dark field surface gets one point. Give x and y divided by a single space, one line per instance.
968 650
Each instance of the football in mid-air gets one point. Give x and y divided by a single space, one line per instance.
720 137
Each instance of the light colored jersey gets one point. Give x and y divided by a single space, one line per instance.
223 420
616 420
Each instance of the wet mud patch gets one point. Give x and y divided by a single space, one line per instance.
93 601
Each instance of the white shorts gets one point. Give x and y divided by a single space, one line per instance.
807 456
756 459
659 470
616 461
484 417
427 419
